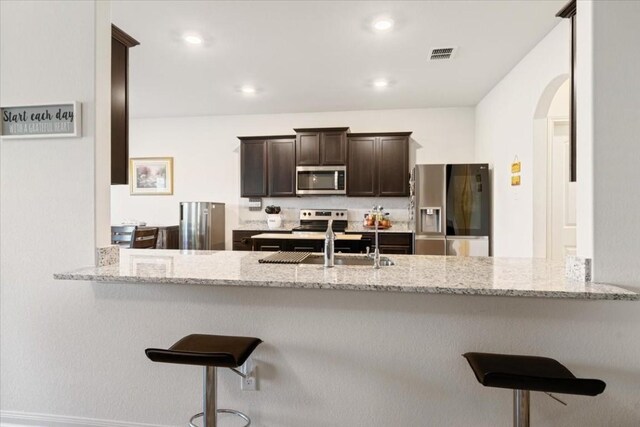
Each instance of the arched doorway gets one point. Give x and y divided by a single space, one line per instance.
554 196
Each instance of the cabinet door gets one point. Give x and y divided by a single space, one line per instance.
396 243
333 148
361 167
253 168
395 249
282 167
242 240
393 166
308 149
119 113
296 245
269 245
121 42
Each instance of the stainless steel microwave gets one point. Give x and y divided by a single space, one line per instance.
321 180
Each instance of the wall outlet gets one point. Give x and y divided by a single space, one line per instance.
250 382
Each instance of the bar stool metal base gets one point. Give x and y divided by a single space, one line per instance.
222 411
209 404
521 403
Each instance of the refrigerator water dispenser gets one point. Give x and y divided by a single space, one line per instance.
430 220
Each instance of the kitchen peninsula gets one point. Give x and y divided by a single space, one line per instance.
413 274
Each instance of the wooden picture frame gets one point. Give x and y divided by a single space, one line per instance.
151 176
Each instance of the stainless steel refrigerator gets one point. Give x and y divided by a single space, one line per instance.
451 207
202 226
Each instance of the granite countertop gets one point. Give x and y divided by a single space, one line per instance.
262 226
517 277
353 226
396 227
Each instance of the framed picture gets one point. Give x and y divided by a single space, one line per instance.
58 120
151 176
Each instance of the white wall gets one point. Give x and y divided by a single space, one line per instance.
616 145
505 129
47 214
207 157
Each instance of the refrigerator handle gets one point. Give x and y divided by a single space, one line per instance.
181 212
207 228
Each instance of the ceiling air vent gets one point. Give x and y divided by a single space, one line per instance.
442 53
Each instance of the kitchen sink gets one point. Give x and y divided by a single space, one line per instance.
347 260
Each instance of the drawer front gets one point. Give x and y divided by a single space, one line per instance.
402 239
242 238
395 249
390 243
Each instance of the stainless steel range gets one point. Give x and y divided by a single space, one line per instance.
315 220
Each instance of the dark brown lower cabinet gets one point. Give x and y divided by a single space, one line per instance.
242 238
242 241
390 243
269 245
299 245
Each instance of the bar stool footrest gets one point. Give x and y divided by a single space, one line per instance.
222 411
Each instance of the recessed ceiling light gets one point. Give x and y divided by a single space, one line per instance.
380 83
248 90
192 39
383 24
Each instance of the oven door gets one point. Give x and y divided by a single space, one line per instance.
321 180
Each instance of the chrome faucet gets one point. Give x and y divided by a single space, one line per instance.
329 245
376 253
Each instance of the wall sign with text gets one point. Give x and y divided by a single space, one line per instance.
61 120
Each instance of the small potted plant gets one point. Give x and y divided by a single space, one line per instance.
274 219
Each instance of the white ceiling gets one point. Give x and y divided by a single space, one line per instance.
322 56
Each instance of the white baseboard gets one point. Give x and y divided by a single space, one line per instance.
25 419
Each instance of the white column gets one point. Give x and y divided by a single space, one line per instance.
615 136
103 123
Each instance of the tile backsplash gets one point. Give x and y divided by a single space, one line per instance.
397 207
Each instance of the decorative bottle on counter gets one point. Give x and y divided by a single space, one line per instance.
329 245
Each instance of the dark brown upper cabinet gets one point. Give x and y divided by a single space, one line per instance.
361 167
121 42
321 146
569 12
282 167
393 166
378 164
267 166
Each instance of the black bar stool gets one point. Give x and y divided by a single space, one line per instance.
528 373
210 351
